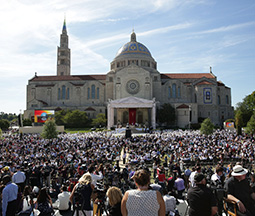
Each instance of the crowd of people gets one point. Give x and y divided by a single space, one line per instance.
37 173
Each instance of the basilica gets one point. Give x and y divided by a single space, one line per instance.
131 91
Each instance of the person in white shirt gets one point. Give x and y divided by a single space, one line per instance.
192 175
170 203
218 178
19 178
64 200
94 177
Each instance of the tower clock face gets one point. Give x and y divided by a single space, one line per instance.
133 87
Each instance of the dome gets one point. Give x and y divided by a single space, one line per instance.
133 47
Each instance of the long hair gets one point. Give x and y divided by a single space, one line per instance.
115 195
85 179
43 195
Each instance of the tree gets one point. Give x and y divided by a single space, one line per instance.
76 119
99 120
251 125
207 127
246 108
27 122
166 114
4 124
239 121
60 117
1 133
49 129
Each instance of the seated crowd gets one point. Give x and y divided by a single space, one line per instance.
45 176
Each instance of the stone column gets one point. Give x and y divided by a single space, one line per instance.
153 115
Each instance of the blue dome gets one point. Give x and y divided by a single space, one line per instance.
133 48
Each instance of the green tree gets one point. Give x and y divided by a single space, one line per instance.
251 125
49 129
246 108
207 127
1 133
99 120
60 117
76 119
4 124
239 121
166 114
27 122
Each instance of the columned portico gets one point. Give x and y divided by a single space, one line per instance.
136 109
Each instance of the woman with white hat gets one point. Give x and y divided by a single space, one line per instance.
239 190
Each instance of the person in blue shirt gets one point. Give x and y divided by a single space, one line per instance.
9 200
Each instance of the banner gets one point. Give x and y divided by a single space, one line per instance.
41 116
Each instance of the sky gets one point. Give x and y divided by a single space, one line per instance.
188 36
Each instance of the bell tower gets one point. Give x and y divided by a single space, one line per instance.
64 54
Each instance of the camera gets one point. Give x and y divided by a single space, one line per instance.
100 192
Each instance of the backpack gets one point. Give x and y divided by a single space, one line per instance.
78 196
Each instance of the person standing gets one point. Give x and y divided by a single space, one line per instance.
19 178
239 191
9 197
142 201
180 186
201 199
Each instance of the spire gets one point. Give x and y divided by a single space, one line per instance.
64 26
133 36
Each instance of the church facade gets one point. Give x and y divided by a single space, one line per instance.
131 91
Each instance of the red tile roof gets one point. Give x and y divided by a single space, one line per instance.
187 76
90 109
68 78
183 106
204 83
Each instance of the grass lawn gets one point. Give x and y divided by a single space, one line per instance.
77 130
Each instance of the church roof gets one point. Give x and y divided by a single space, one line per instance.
133 47
90 109
68 78
204 83
183 106
187 76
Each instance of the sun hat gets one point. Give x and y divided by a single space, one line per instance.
238 170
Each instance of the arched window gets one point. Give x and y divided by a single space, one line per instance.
179 92
88 93
174 90
218 99
227 100
68 94
97 93
93 92
59 94
63 92
169 92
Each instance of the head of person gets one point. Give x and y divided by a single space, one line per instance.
142 177
239 172
219 170
43 195
63 188
85 179
91 169
6 179
27 190
200 179
115 196
198 169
